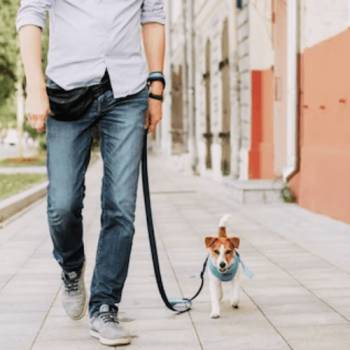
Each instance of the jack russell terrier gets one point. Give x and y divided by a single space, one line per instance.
224 265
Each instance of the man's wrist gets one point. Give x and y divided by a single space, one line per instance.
156 87
155 97
35 84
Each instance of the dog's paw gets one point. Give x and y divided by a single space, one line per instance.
214 315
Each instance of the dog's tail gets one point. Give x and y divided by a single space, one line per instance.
222 225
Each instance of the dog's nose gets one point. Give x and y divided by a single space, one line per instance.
222 264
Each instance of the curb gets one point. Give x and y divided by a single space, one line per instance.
18 202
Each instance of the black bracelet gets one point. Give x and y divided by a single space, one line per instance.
156 76
156 97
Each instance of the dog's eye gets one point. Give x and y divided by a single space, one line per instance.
216 252
228 252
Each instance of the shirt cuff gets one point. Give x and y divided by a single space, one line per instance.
153 16
29 20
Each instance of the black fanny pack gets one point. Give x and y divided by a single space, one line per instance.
71 105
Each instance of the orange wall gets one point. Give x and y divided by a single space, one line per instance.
261 155
279 35
323 182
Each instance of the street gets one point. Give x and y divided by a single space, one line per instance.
299 297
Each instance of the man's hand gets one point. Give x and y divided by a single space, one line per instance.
37 108
154 113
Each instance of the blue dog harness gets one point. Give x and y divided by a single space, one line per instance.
230 274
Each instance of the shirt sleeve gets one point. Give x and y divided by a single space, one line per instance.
153 11
32 12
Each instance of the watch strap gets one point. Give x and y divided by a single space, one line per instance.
156 76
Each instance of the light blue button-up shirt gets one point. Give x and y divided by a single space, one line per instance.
89 36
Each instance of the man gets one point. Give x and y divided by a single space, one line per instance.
91 40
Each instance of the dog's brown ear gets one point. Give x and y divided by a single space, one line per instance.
209 241
235 241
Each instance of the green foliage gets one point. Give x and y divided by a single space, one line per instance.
42 143
8 113
45 45
8 48
287 195
9 60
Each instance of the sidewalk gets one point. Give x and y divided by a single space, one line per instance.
298 299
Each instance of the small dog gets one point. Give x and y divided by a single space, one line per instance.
223 266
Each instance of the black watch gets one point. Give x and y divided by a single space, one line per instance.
156 76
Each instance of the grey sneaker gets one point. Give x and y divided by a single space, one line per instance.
106 327
74 294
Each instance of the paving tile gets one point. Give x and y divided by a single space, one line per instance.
332 292
165 338
87 343
318 337
307 319
19 335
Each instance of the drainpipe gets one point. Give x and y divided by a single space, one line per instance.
292 91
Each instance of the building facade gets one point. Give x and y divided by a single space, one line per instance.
260 90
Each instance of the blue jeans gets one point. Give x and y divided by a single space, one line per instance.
121 124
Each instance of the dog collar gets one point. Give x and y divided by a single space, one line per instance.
227 275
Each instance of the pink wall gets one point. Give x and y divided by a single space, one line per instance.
323 183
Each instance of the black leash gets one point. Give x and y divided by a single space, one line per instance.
183 304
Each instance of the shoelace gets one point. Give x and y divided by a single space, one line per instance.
71 285
109 317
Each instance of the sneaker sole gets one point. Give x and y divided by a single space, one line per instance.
111 342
